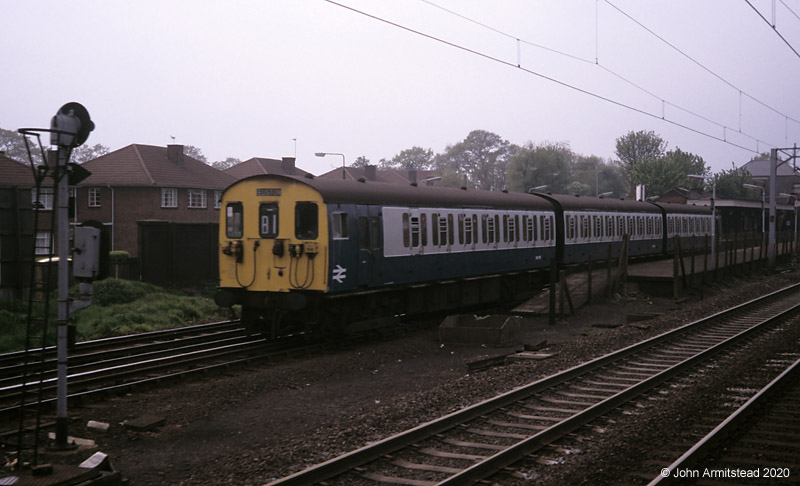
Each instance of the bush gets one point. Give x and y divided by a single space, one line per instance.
113 291
118 256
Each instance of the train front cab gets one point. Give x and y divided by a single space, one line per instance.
273 249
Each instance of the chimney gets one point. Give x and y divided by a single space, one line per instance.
287 165
371 172
175 154
412 176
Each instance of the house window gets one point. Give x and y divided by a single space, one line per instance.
43 199
217 199
94 197
169 197
44 243
197 198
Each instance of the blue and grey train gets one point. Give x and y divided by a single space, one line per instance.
304 252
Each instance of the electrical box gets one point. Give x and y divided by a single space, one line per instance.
86 252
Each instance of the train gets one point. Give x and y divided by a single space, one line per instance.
301 253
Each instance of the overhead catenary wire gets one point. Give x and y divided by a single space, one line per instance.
597 63
774 29
641 111
663 101
698 63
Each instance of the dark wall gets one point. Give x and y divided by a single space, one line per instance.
16 239
178 252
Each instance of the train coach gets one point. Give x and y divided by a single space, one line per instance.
308 253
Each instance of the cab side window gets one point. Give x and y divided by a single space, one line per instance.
306 226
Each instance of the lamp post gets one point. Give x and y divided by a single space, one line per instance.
763 202
323 154
597 182
713 216
604 194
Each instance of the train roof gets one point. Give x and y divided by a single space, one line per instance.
681 208
382 193
589 203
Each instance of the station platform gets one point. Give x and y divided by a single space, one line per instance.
665 278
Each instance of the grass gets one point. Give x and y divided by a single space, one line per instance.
119 307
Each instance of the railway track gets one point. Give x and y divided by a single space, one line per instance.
118 364
479 441
756 444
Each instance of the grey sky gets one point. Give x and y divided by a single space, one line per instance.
246 78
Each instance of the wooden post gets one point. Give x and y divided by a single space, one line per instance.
553 277
561 293
675 257
692 282
705 258
589 283
609 284
679 251
622 266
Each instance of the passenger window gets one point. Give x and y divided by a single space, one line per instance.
233 220
339 221
406 231
306 226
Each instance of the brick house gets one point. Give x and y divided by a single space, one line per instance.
144 183
259 165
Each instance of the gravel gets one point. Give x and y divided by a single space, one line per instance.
250 426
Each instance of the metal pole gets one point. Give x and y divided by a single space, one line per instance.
773 175
714 224
62 420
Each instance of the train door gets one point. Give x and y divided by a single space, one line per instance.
370 247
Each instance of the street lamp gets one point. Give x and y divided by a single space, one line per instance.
431 179
604 194
323 154
763 201
713 216
538 188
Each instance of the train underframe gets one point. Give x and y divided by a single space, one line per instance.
281 314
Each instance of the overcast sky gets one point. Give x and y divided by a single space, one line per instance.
275 78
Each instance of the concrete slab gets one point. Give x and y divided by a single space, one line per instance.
497 330
528 356
145 422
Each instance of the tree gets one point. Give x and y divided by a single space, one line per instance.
360 162
601 176
13 144
635 148
663 173
225 164
547 164
195 153
730 184
85 153
415 158
482 158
